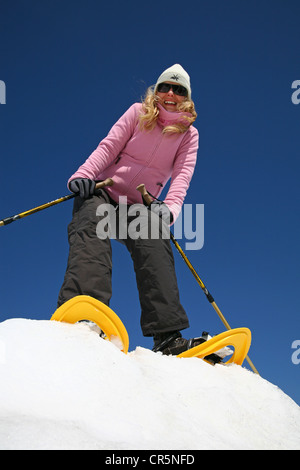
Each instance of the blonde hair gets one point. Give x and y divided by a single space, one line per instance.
151 112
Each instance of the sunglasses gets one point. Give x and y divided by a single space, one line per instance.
177 89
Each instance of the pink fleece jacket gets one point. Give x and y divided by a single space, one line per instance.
131 156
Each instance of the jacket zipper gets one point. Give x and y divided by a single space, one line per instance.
149 161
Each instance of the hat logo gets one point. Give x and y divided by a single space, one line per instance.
175 77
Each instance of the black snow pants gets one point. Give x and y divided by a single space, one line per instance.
89 265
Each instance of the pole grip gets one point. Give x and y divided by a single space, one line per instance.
145 195
102 184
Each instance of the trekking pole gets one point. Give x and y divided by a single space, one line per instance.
9 220
147 199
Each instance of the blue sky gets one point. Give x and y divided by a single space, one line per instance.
72 68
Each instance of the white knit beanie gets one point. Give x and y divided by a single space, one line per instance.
176 74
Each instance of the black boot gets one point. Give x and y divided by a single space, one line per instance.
170 343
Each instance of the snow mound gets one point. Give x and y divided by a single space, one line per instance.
64 387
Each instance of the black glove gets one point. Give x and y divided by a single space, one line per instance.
84 187
162 210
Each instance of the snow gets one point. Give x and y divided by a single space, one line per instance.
64 387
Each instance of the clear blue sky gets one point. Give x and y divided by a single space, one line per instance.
72 68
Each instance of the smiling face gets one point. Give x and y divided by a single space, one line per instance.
170 100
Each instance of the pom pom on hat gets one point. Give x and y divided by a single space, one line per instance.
175 74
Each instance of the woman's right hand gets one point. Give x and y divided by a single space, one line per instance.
83 187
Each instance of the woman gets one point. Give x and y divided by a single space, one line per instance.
151 143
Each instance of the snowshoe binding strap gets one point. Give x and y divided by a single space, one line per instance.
161 342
